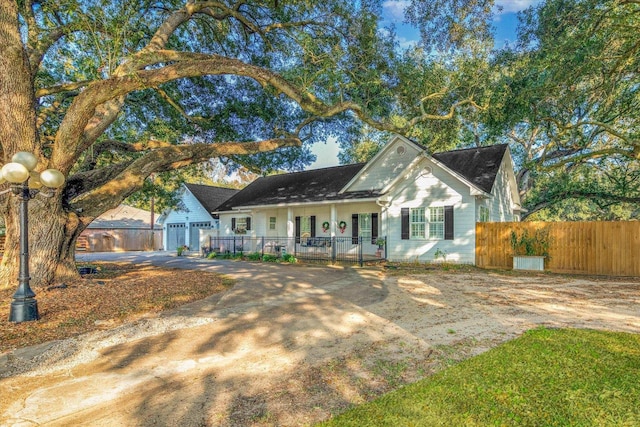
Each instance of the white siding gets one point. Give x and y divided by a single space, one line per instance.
430 187
194 212
500 205
386 167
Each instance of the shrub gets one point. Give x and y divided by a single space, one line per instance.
211 255
289 258
254 256
269 258
536 244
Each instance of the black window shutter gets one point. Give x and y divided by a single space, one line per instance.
374 228
404 218
313 226
233 223
354 228
248 223
297 229
448 223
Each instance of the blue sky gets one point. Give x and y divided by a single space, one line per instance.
505 22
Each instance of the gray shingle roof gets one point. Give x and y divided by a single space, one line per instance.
479 165
211 197
298 187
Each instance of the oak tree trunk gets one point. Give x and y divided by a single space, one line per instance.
52 236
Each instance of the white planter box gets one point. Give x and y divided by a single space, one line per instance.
530 263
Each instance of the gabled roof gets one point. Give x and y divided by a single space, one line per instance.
479 165
299 187
211 197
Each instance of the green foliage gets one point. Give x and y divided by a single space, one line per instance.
556 377
440 253
269 258
212 255
254 256
566 98
527 244
289 258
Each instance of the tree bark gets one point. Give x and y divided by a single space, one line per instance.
51 232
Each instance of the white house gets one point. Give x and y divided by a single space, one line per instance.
421 204
182 226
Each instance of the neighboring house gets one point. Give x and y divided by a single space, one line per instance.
124 228
181 227
421 204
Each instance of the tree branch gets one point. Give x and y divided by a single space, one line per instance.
131 178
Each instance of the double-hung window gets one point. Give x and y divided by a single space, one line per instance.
418 223
272 223
364 226
305 226
483 214
436 222
427 223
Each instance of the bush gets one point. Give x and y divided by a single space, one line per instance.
289 258
254 256
211 255
269 258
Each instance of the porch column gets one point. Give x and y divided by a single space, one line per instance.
291 231
334 220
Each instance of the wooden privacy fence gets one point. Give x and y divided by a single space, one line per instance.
119 239
599 247
115 240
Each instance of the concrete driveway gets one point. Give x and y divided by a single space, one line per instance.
290 345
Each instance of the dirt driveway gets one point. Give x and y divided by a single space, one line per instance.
290 345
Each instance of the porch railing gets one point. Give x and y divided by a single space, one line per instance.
330 249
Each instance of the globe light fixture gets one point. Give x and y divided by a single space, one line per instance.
26 184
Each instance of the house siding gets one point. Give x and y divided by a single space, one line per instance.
430 186
193 212
386 167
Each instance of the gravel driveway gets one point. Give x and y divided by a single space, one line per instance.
290 345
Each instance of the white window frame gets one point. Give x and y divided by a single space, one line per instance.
484 214
241 225
436 223
417 223
364 226
272 222
305 226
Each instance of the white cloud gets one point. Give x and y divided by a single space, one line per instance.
394 9
511 6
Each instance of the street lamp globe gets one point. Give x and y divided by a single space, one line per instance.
15 173
52 178
26 159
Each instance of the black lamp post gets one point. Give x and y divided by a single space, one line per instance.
26 184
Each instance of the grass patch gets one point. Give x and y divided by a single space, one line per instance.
550 377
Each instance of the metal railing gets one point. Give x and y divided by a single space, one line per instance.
329 249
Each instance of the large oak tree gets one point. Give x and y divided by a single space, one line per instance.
110 92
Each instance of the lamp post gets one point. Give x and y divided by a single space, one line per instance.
26 184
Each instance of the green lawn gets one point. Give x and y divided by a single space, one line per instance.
547 377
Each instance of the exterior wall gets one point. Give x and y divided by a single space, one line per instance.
500 204
322 212
430 186
194 212
385 167
501 201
